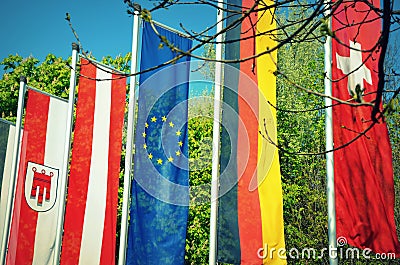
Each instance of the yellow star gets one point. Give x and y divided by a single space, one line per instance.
171 124
159 161
164 118
178 133
146 125
145 146
154 119
144 134
180 143
178 153
170 159
150 156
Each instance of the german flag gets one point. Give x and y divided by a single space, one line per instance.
250 217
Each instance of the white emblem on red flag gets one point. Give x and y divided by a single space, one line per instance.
41 186
355 68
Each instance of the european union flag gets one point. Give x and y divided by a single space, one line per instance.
160 190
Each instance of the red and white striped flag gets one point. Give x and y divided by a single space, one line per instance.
37 198
91 211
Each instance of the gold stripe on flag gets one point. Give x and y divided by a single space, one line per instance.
269 177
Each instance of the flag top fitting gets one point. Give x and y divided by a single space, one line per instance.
75 46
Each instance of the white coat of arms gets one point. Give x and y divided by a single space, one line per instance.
41 186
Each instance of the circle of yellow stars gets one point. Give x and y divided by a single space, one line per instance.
178 133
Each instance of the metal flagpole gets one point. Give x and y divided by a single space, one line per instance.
129 142
14 170
67 148
330 185
216 138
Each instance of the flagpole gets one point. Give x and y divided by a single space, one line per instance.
216 138
129 142
14 169
330 184
67 148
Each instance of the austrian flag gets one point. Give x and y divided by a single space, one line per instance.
91 211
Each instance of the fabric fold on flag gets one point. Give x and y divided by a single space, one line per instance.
364 187
160 191
91 209
250 217
7 134
39 180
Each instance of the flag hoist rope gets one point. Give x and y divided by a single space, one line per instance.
216 137
14 171
330 184
129 142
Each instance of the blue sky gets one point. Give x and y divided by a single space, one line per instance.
38 27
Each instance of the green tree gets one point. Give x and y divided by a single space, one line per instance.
301 129
52 76
393 120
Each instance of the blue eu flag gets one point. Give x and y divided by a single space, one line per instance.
160 190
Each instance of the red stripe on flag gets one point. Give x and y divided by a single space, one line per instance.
80 166
114 155
249 213
23 229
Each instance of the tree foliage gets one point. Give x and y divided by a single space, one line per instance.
300 129
51 75
200 150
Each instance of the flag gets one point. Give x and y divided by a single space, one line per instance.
250 216
39 180
363 170
7 134
91 209
160 199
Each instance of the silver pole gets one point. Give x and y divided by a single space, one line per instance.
330 184
67 148
14 170
129 143
216 138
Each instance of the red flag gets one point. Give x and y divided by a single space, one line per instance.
91 211
364 187
37 197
